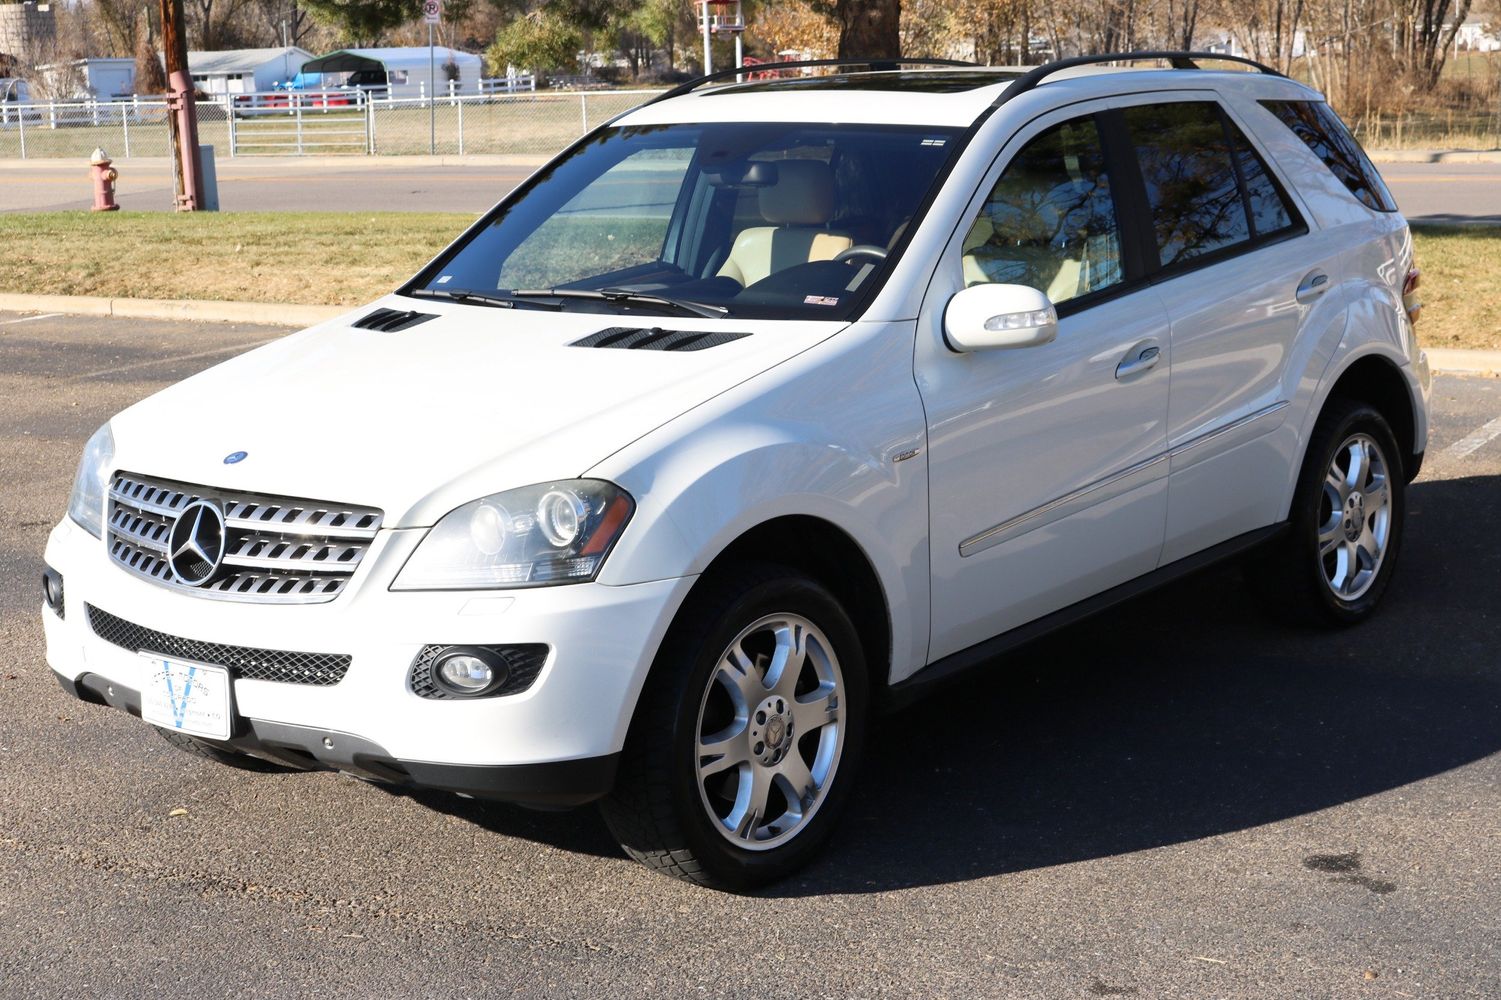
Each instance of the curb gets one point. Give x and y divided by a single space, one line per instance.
200 311
1455 361
1441 359
1435 155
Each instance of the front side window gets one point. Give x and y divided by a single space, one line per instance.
762 220
1321 131
1050 221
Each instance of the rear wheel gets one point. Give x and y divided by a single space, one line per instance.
747 736
1346 522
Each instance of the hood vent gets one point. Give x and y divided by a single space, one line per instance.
391 320
656 339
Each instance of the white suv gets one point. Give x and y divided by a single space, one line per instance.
755 411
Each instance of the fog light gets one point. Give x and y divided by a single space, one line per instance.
52 589
468 671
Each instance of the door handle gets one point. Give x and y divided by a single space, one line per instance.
1314 285
1141 358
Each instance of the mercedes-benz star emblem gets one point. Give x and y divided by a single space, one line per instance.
196 544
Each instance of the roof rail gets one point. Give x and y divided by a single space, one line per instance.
737 71
1178 60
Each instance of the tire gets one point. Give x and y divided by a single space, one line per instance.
701 827
1332 569
208 751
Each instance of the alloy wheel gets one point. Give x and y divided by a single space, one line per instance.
770 732
1355 517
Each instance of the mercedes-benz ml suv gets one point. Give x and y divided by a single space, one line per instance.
753 411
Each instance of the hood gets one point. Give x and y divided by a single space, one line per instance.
420 420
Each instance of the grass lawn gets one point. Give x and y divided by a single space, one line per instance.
313 258
327 258
1461 289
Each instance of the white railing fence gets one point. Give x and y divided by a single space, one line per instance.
508 115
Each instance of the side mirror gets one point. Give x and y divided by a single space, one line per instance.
987 317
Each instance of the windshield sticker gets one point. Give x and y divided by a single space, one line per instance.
935 142
445 279
820 300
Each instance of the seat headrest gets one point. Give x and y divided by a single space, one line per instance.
802 196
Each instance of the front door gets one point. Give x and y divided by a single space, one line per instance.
1047 465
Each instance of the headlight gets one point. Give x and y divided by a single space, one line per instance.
86 505
536 536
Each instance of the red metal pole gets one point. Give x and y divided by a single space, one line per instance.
180 101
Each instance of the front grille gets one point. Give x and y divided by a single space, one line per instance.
287 667
524 662
276 550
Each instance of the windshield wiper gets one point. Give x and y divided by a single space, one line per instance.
625 295
480 299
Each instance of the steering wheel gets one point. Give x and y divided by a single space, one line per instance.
860 250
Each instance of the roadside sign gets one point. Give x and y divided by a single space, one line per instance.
432 11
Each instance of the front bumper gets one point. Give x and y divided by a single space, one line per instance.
554 743
558 784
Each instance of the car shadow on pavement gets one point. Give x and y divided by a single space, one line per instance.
1177 716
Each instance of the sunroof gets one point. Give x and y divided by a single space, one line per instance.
930 82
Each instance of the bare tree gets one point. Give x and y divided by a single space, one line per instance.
869 28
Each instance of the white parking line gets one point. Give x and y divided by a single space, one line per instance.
28 319
1474 441
171 359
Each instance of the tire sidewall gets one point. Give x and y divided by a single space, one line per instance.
700 656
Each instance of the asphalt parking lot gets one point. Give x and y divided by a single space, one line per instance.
1176 800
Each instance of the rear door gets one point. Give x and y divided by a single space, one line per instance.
1240 275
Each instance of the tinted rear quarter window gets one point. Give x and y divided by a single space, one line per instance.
1320 128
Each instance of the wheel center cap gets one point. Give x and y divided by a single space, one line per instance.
770 730
1354 516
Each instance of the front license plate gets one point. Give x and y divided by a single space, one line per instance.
191 698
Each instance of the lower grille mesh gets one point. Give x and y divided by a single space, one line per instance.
320 669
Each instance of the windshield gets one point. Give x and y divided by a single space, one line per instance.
779 221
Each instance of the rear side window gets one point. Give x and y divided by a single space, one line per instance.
1270 211
1207 189
1190 179
1320 128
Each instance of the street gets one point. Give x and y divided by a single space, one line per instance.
1177 799
1426 192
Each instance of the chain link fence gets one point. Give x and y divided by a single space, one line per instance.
527 123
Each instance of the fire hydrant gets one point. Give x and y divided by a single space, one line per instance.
104 182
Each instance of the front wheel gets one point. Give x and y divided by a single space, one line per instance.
1346 522
748 734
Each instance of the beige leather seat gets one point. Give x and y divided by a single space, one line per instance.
1017 236
798 206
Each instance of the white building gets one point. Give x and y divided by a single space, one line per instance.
245 71
1476 35
80 79
395 72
